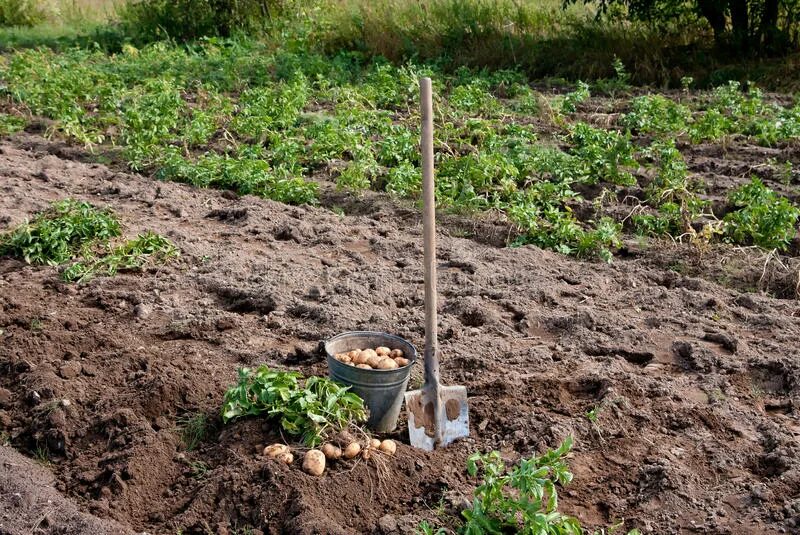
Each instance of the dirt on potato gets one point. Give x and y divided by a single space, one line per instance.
693 384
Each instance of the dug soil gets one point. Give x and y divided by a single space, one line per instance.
682 394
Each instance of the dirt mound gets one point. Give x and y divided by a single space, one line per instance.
695 387
30 504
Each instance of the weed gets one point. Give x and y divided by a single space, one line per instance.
36 325
20 13
310 411
198 469
42 455
193 429
593 414
146 249
60 233
5 438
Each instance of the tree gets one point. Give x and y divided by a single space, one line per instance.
757 26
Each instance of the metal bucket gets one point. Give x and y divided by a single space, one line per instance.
381 390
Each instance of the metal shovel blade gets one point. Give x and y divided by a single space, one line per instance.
453 420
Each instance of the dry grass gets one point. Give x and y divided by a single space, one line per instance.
76 12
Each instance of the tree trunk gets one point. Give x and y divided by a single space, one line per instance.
740 22
769 24
714 12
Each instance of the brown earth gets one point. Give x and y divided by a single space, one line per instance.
696 385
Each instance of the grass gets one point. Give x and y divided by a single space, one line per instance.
194 429
42 455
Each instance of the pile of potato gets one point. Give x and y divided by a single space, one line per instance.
348 448
380 358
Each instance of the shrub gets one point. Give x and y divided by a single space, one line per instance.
183 20
20 13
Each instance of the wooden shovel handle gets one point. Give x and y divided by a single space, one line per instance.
429 234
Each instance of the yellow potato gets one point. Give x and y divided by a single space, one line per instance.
396 353
387 364
314 462
274 450
354 353
352 449
361 358
369 353
350 363
331 452
382 351
401 361
374 361
285 457
388 446
364 366
374 443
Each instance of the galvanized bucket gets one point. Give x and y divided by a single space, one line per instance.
381 390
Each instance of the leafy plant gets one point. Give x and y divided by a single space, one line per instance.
424 528
148 248
603 153
310 410
763 217
10 124
522 499
670 193
656 114
60 233
574 98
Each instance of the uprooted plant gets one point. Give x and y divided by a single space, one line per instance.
312 408
60 233
71 229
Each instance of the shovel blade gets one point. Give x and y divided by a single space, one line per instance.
422 424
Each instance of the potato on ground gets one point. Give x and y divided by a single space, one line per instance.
314 462
331 452
274 450
285 457
388 446
352 449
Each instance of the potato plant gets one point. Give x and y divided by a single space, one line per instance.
240 115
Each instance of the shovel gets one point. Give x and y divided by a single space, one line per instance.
437 414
